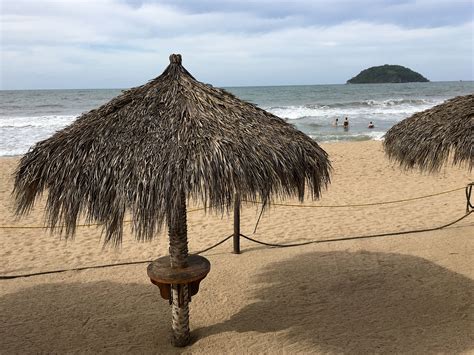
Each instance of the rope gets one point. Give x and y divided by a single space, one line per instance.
258 220
280 204
9 277
104 266
79 225
45 227
358 237
215 245
469 210
468 197
362 204
74 269
469 206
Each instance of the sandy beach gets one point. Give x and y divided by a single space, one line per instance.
401 294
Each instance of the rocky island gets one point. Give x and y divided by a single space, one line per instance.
387 74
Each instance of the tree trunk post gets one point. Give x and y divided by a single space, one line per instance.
237 224
178 255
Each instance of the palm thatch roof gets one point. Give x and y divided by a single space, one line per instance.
426 139
142 150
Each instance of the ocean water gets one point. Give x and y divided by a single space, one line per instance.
28 116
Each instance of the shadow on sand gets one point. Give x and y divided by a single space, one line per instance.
85 317
331 302
360 302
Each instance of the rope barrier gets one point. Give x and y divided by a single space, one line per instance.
61 226
468 189
359 237
215 245
362 204
9 277
469 210
278 204
80 225
469 206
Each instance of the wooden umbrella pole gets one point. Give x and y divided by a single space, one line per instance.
237 224
178 258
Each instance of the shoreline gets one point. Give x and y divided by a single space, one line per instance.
342 141
31 116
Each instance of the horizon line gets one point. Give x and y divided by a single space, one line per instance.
241 86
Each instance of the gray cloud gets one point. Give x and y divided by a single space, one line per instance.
410 13
120 43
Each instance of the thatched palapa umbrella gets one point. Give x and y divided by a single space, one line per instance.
154 147
426 139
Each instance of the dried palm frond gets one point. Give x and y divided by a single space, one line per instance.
426 139
141 150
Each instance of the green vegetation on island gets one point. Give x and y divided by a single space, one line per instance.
387 74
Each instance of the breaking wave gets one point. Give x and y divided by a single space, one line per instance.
399 107
54 121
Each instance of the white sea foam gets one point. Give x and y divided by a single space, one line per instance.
359 136
18 134
400 108
376 135
12 152
37 121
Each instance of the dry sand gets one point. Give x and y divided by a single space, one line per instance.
402 294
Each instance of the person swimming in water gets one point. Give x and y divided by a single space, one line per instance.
371 125
346 123
336 122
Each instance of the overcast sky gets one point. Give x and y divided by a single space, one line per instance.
123 43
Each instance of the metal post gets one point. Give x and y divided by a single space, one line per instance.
237 224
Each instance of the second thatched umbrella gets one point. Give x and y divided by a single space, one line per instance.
426 139
154 147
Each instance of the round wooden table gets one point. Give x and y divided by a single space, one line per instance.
163 275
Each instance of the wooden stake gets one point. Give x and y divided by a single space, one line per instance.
237 224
